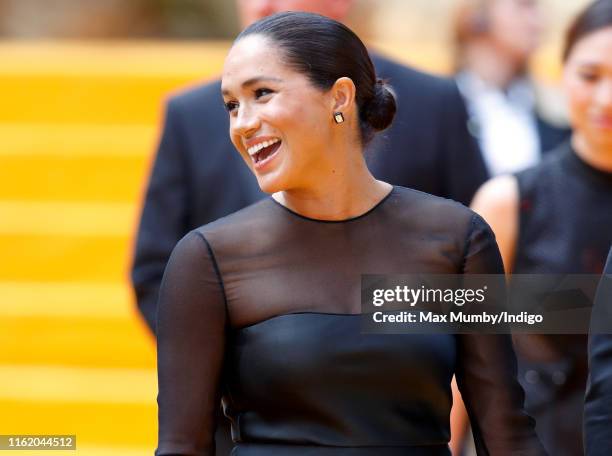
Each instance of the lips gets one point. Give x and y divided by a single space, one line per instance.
602 121
262 150
265 153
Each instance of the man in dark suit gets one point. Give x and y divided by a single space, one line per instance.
598 403
198 177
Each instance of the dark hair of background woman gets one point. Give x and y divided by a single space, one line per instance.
595 16
325 50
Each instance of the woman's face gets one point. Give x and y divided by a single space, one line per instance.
515 27
588 84
279 122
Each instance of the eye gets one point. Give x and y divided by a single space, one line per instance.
588 76
262 92
230 106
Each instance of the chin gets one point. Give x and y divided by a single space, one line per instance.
270 184
606 146
602 137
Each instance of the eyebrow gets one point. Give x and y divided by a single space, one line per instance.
253 81
588 63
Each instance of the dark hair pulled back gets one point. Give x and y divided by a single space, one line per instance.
325 50
597 15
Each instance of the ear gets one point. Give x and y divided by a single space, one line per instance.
343 95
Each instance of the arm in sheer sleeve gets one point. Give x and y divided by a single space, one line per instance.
486 369
191 323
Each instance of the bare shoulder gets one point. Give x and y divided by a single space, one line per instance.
497 197
497 201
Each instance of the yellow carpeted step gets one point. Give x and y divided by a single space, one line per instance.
61 218
110 407
66 299
32 257
90 178
82 99
123 58
34 141
77 341
107 424
75 162
80 323
62 241
91 385
121 83
94 450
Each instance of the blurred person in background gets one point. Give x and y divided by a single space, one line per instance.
494 41
598 401
556 217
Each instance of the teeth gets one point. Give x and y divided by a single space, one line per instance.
257 147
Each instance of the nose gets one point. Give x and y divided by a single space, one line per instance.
603 94
246 123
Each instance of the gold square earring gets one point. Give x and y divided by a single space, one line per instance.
338 117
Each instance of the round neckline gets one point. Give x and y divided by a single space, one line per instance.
351 219
586 169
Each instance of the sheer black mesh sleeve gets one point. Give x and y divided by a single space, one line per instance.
191 320
486 370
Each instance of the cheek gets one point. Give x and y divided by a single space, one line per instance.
579 96
280 116
237 142
298 123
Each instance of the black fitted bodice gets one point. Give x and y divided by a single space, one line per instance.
260 308
313 378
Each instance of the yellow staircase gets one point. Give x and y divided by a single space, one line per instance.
78 125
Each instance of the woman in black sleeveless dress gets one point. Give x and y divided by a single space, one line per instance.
557 218
261 308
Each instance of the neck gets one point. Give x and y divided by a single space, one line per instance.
598 157
344 191
491 65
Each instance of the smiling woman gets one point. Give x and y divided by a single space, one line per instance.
292 99
261 308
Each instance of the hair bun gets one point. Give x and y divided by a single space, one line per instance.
380 109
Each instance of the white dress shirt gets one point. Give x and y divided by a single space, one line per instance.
504 123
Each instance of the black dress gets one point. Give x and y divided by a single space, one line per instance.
260 307
565 226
